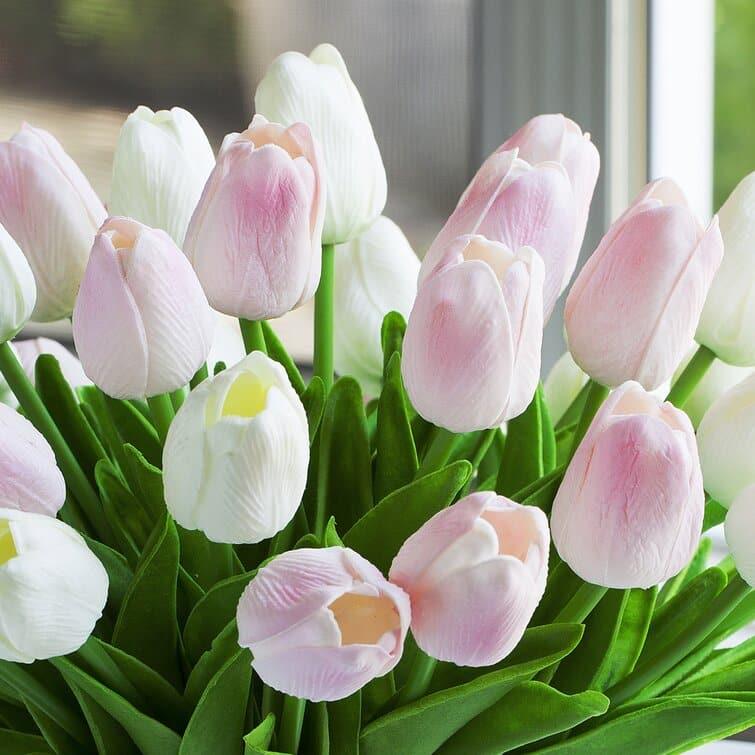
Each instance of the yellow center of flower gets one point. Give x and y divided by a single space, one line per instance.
246 397
364 619
7 545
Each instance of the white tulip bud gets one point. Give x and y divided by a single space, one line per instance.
18 292
236 455
161 163
375 274
739 529
564 382
52 587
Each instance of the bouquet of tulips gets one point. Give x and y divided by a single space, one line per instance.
435 552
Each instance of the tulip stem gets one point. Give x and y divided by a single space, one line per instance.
691 375
199 376
161 409
596 395
292 719
254 338
418 680
438 453
323 361
36 411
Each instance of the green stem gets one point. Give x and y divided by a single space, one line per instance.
199 376
323 361
596 395
440 450
418 680
292 719
254 338
37 413
581 604
161 409
691 375
486 440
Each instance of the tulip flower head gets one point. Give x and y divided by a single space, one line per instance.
475 573
471 356
49 208
317 90
30 350
739 529
142 325
634 307
630 508
18 292
236 455
161 163
52 587
255 236
322 622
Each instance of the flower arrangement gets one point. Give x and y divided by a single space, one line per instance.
434 553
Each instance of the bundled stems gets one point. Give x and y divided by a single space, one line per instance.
323 362
161 409
292 719
691 375
254 338
596 395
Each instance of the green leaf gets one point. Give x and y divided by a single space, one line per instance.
345 721
541 492
392 336
491 462
60 742
715 513
530 712
330 536
562 584
222 649
315 736
396 458
146 627
380 533
695 567
146 482
313 400
725 657
118 571
135 429
277 351
218 723
258 739
740 677
109 736
206 562
18 743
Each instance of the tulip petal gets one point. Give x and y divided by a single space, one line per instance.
740 533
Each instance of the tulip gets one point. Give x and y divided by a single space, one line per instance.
255 236
18 292
634 307
472 344
228 344
236 455
161 163
30 350
739 529
563 384
52 212
559 139
29 477
322 622
317 90
52 587
630 508
142 325
375 274
727 324
726 438
475 573
517 204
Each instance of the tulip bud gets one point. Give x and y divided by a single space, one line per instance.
318 91
322 622
18 292
29 477
49 208
472 345
236 455
161 163
727 324
630 508
142 325
30 350
475 573
255 236
375 274
52 587
634 307
727 442
739 529
516 204
563 384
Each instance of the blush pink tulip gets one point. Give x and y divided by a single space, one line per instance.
322 622
474 573
633 310
29 477
142 325
255 236
50 209
517 204
30 350
630 508
472 345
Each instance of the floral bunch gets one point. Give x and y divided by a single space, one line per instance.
435 552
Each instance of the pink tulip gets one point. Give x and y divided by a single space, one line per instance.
630 509
472 345
474 573
322 622
30 350
559 139
142 325
29 477
255 236
634 307
52 212
516 204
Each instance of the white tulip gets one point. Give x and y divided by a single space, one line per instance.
18 292
52 587
161 163
739 529
375 274
318 91
727 324
726 442
236 456
564 382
